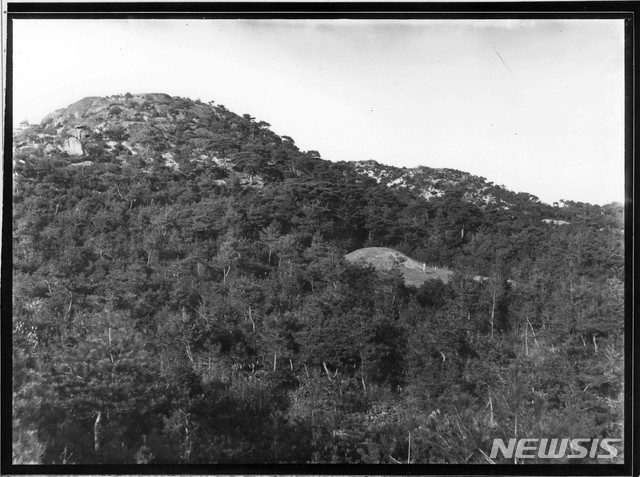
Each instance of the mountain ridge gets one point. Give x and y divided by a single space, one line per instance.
122 123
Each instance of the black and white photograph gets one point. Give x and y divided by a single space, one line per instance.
391 238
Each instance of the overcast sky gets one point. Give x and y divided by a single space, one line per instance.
537 106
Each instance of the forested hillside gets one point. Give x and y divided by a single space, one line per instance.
180 295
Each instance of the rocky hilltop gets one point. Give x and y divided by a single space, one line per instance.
121 124
157 129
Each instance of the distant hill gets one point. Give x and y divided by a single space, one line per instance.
155 130
432 183
433 212
165 129
415 273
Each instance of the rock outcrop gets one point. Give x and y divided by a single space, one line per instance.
80 132
73 147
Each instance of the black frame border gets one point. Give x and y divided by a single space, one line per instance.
627 10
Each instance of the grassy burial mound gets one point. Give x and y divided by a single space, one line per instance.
415 273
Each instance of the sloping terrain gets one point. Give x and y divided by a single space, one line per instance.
158 127
181 295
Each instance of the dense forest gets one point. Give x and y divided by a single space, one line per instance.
180 295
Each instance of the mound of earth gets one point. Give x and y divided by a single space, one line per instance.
415 273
